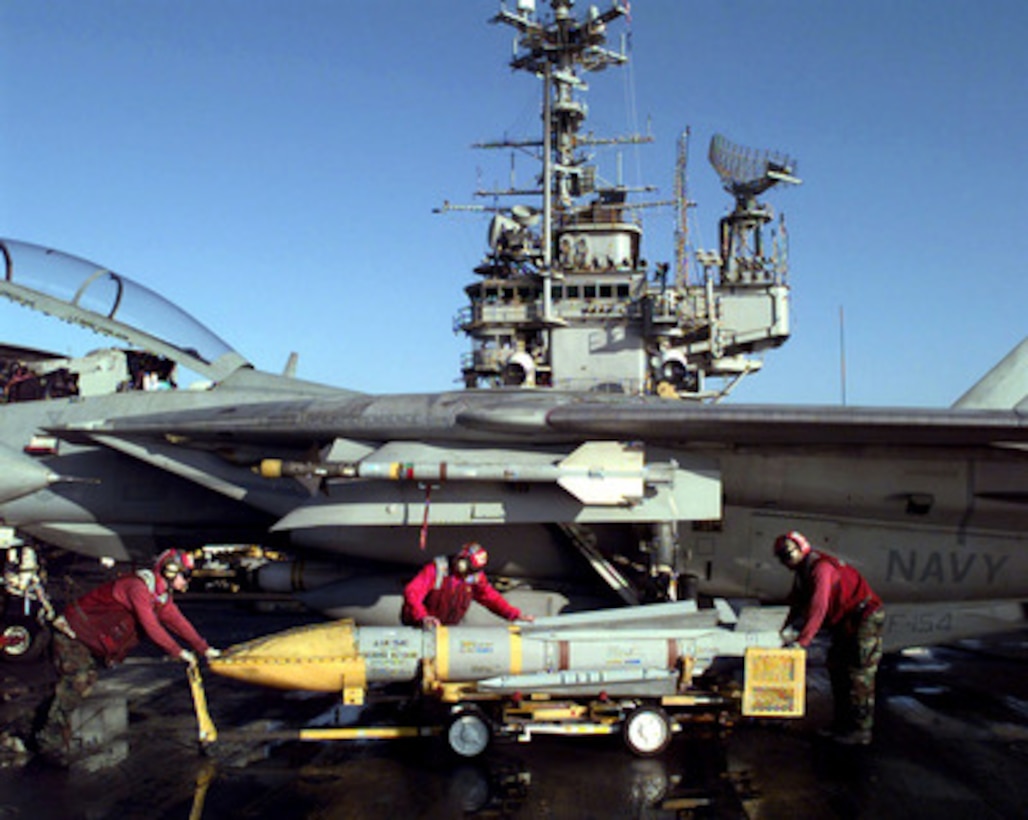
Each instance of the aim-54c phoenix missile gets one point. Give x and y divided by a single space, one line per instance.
651 650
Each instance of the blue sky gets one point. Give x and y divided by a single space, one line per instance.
272 167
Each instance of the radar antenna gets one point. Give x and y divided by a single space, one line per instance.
745 256
747 172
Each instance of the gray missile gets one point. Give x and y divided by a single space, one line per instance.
635 650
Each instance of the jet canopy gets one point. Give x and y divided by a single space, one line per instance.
82 293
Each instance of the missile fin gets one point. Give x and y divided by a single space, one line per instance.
604 473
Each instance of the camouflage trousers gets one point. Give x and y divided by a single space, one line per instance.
853 660
77 673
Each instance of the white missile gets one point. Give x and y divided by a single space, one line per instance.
604 473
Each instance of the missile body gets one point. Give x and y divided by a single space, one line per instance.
21 475
638 650
597 472
299 575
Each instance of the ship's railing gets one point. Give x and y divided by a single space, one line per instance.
497 313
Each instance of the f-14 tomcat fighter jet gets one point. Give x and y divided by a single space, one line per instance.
567 489
587 451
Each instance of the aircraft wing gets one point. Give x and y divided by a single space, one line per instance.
520 417
769 424
521 461
591 448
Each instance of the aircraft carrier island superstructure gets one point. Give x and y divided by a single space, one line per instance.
565 298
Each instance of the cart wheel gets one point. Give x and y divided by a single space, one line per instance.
647 731
468 733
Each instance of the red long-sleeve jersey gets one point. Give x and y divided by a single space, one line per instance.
438 592
825 591
107 618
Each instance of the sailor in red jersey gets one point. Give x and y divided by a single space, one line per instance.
828 592
103 627
443 590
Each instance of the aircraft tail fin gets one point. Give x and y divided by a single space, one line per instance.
1002 388
290 368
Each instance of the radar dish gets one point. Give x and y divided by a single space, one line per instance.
747 172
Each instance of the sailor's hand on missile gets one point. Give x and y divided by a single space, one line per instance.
188 657
430 622
790 638
788 635
526 618
212 653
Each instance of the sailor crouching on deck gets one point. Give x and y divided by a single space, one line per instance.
829 592
102 626
441 593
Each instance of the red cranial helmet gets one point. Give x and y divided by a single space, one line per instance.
475 554
174 562
782 543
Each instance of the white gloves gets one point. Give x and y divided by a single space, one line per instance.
789 634
189 656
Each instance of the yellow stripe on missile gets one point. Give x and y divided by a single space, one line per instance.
516 651
442 653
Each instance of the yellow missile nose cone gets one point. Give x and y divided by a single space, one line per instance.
318 658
